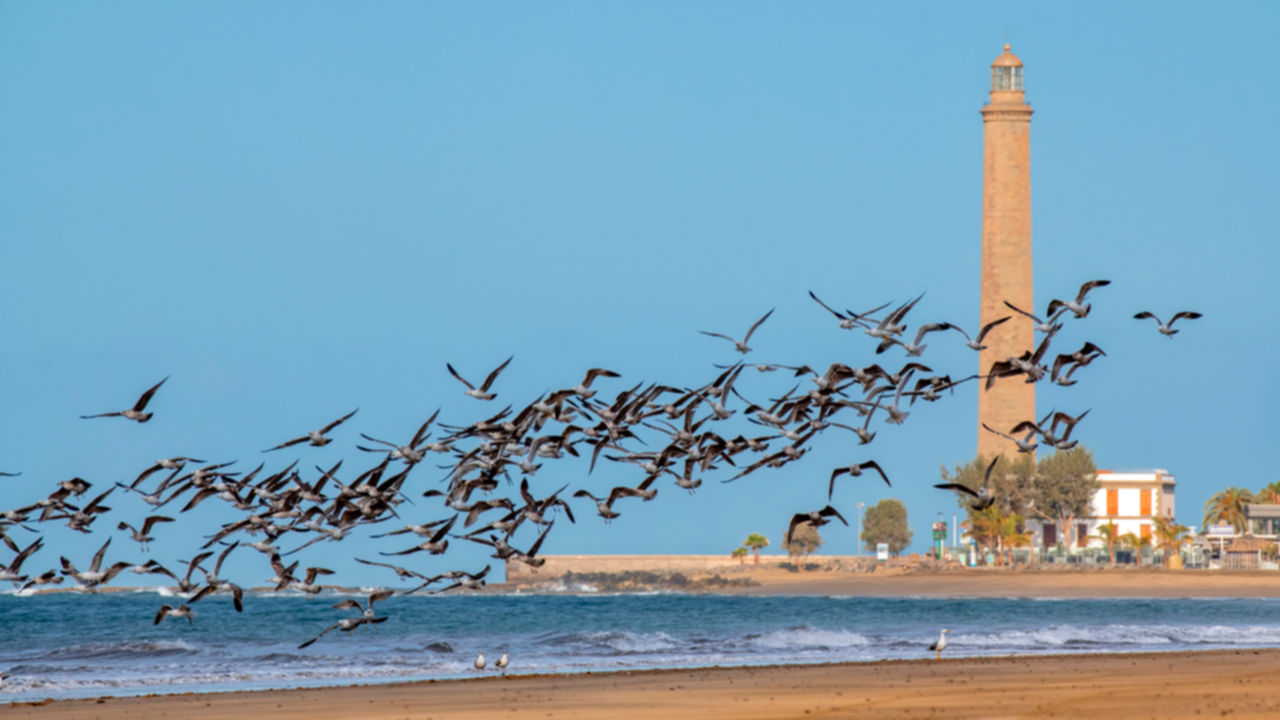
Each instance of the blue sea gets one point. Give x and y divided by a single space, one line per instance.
79 645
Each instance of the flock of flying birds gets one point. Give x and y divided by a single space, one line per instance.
667 434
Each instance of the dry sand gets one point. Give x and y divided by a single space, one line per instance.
1132 686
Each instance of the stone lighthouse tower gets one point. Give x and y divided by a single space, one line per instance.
1006 251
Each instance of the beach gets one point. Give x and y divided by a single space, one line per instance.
1024 643
1138 685
1154 582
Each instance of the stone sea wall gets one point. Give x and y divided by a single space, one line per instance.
558 565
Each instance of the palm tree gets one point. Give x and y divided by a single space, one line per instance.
1228 507
1170 536
1137 543
1011 537
985 527
755 541
1109 534
741 553
1269 494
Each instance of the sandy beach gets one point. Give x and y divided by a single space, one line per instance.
1000 582
1148 685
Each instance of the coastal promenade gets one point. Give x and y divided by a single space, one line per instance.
900 577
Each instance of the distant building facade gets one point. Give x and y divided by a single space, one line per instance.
1130 499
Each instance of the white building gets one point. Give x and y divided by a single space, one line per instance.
1132 499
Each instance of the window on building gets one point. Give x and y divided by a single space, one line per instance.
1050 535
1113 503
1006 78
1144 503
1082 532
1145 532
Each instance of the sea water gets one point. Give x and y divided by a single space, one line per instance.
80 645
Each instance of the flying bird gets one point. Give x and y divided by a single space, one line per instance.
976 342
854 471
982 498
1044 326
483 392
816 518
1167 329
182 611
583 389
741 345
1025 444
136 412
1078 307
315 437
345 625
143 536
849 320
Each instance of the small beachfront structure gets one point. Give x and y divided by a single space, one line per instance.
1264 520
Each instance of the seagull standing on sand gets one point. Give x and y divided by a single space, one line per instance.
941 645
503 662
480 661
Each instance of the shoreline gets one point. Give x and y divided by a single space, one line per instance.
1161 684
1012 583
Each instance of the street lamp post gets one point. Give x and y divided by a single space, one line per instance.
858 526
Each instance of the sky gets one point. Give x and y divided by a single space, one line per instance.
296 209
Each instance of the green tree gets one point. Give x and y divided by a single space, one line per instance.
756 541
804 540
886 522
1063 488
1058 489
741 553
1170 537
1007 485
1228 507
1109 534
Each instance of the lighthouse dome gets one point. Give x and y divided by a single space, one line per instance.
1007 59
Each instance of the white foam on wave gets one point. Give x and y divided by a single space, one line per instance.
126 648
627 641
809 638
1120 636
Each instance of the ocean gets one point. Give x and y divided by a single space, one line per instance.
70 645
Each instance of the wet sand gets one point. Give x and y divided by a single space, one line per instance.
1130 686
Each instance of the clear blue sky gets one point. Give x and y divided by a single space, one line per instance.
296 209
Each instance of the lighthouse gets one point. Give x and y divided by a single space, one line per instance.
1006 251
